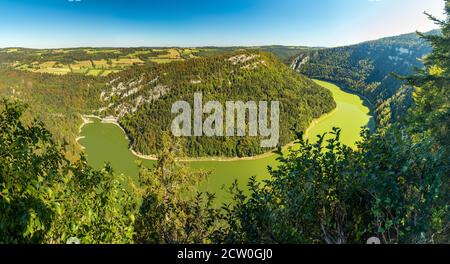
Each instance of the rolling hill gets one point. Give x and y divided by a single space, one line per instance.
141 98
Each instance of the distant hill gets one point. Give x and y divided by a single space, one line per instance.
90 61
366 68
104 61
284 53
141 98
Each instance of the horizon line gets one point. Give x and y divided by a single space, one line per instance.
211 46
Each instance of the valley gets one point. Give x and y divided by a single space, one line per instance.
244 124
368 67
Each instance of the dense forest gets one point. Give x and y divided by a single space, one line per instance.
367 68
141 98
55 100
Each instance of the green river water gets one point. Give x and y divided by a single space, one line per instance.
105 142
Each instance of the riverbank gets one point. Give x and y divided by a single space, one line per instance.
85 122
111 120
106 143
313 125
316 121
154 157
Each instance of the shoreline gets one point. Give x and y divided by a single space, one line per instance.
86 121
113 120
110 120
316 121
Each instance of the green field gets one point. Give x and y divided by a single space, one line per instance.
92 61
107 142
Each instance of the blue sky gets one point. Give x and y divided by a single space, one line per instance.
75 23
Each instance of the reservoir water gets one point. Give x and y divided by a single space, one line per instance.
106 142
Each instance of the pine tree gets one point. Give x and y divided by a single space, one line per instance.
431 114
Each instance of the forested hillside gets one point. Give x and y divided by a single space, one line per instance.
366 68
394 185
59 85
141 98
57 101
